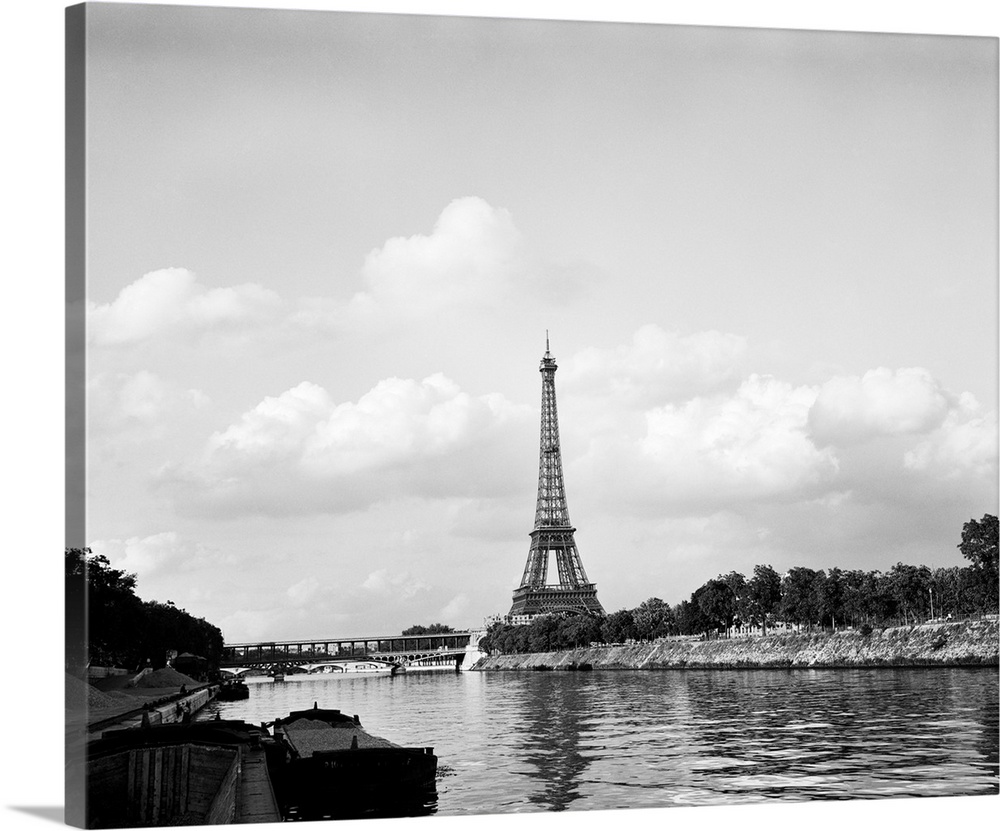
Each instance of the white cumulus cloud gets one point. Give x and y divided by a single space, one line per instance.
401 419
850 410
301 452
302 592
658 366
138 397
172 300
753 442
713 451
166 551
473 249
401 584
965 442
474 256
277 427
124 408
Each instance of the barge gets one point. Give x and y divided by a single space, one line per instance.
234 690
334 769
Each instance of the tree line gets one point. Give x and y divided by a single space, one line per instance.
433 629
807 598
107 624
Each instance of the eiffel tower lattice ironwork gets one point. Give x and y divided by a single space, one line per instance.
553 534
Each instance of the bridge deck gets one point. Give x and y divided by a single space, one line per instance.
415 657
324 649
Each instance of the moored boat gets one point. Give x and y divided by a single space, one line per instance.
233 690
333 768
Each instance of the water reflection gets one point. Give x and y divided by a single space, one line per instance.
554 729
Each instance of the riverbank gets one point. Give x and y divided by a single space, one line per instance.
967 643
163 696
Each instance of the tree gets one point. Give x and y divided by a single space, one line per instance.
856 595
690 619
504 638
737 583
979 547
653 619
167 627
762 596
828 591
124 631
489 642
581 630
798 603
909 586
433 629
718 601
543 634
114 614
619 627
946 591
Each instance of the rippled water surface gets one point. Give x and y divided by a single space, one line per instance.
517 741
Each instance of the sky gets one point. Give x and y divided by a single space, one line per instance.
324 250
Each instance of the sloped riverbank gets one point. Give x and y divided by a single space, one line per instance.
967 643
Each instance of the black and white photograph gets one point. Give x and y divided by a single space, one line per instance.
508 415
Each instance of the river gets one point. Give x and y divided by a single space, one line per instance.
549 741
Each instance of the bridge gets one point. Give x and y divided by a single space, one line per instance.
392 650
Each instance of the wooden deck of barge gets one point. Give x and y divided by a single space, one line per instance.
256 797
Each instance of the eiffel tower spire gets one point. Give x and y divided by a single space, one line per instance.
553 533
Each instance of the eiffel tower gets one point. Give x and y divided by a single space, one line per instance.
553 533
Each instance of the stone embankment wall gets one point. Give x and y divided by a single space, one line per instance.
969 643
174 711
